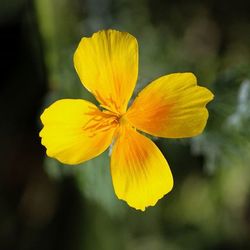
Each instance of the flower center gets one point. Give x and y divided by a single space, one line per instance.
100 122
123 120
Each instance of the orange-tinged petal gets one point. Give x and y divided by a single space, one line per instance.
172 106
76 130
107 64
140 173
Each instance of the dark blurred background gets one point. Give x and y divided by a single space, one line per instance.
47 205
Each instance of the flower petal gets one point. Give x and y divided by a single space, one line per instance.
172 106
76 130
140 173
107 64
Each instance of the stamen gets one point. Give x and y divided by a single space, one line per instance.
108 103
100 122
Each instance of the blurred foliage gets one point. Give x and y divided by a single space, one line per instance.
209 207
209 203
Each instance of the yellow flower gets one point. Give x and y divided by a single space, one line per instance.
172 106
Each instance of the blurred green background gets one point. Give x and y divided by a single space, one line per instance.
46 205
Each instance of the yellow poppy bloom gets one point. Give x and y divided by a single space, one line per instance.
172 106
